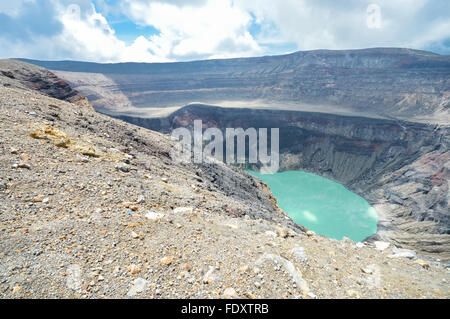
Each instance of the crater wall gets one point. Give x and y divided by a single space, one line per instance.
400 167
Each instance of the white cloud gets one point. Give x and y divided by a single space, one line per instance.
331 24
92 39
82 34
198 29
201 29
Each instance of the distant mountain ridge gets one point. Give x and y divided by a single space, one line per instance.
337 58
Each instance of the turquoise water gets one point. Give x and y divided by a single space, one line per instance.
324 206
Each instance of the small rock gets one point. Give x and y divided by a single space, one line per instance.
14 151
139 285
403 253
250 295
122 167
129 212
99 211
232 225
381 245
16 289
73 279
127 204
282 232
367 270
164 179
134 235
209 276
352 294
154 216
133 269
270 233
229 293
186 267
166 260
23 165
141 200
181 210
423 263
299 254
38 199
311 295
45 200
360 245
310 233
244 268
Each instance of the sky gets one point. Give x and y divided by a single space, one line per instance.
185 30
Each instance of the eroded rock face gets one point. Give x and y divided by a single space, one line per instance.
35 78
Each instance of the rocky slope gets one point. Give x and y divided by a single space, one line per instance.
92 207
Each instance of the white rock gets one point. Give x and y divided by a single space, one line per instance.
232 225
181 210
299 254
210 276
311 295
270 233
139 285
403 253
73 280
360 245
381 245
229 293
141 199
154 216
289 267
310 233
